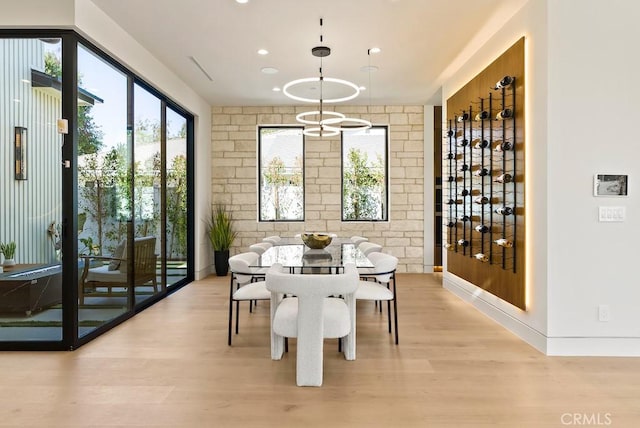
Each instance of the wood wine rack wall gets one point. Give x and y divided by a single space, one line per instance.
483 174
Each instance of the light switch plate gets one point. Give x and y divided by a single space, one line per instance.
611 214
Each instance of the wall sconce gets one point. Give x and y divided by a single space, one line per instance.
21 152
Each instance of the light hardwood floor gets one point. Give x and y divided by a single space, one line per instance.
170 366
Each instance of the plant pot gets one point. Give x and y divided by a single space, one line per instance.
9 262
221 260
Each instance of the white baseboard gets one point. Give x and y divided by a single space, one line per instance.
203 273
523 331
594 346
552 346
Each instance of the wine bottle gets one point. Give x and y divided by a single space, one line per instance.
450 133
503 242
451 224
482 115
505 82
504 211
463 143
482 228
481 144
463 117
451 178
465 192
450 155
463 242
481 200
504 178
482 257
504 146
448 246
464 218
464 167
454 202
504 114
481 172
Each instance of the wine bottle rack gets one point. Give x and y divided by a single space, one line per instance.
479 152
484 179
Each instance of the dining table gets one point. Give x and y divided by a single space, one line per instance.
291 253
298 258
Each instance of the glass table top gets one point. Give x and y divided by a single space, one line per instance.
336 255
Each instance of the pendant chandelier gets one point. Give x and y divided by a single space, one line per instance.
322 123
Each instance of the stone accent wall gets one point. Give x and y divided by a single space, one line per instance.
234 178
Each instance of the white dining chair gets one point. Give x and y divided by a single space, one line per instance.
312 316
246 284
383 285
260 247
273 240
369 247
357 240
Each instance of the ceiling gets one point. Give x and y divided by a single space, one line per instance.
419 40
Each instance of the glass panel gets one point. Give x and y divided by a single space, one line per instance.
364 169
30 189
176 234
103 191
281 154
146 193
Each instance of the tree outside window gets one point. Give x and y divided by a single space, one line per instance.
364 175
281 174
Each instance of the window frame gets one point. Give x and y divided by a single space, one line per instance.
259 173
387 179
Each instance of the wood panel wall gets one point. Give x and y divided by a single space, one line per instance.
504 278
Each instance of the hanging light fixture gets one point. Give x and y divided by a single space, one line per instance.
325 123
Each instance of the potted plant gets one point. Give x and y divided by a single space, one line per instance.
9 251
221 235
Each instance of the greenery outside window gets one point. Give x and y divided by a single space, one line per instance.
365 175
281 177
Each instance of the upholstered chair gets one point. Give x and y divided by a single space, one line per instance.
311 316
246 284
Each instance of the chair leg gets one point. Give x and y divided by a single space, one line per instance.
395 317
389 314
237 314
230 318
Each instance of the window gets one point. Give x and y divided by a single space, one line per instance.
281 178
364 175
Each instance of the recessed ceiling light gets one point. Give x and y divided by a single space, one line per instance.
375 50
263 52
242 1
363 88
269 70
276 89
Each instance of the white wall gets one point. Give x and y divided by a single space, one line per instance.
581 105
91 22
594 106
530 22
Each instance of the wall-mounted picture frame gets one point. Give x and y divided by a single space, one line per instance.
21 152
613 185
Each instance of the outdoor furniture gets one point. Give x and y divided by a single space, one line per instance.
113 278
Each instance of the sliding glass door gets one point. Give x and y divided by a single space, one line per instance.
104 209
95 222
30 189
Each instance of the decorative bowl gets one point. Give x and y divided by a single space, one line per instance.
316 241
